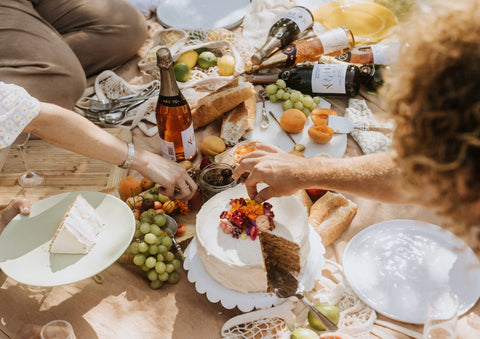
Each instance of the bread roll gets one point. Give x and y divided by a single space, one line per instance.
330 216
238 121
224 99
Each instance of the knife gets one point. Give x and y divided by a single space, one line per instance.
344 125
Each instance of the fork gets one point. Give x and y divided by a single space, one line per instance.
265 122
122 102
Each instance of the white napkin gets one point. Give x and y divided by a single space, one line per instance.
369 141
261 15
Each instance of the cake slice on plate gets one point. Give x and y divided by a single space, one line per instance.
77 232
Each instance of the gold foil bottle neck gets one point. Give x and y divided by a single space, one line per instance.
164 58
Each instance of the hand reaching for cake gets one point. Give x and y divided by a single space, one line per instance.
16 206
270 165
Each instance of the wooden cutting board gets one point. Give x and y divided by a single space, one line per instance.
63 171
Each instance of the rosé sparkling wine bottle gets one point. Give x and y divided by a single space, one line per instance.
174 117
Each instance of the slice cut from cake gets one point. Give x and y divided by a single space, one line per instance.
78 230
282 261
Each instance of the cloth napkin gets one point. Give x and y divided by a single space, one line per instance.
369 141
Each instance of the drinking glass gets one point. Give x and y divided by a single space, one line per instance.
442 316
29 178
57 329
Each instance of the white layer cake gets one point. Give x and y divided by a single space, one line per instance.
238 264
78 230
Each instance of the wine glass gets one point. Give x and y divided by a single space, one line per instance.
29 178
442 316
57 329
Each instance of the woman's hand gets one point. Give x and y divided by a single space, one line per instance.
270 165
16 206
174 179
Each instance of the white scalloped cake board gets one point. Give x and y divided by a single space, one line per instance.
229 299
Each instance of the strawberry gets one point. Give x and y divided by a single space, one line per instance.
207 161
315 193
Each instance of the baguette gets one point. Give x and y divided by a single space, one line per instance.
216 104
238 121
330 216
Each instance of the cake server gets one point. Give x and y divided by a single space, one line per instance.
170 228
285 285
344 125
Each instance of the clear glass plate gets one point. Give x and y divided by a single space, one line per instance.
395 266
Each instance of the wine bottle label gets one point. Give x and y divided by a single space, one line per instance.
385 54
345 56
291 52
329 78
172 101
168 149
300 16
334 40
188 140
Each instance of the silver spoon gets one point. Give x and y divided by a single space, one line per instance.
265 122
296 147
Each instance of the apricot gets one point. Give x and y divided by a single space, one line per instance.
319 116
128 187
293 120
320 134
212 145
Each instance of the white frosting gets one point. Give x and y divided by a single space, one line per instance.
78 231
238 264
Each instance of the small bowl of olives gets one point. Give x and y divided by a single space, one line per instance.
215 178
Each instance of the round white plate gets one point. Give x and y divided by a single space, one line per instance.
202 15
24 243
246 302
394 267
276 136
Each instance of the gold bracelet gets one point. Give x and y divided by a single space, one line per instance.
130 154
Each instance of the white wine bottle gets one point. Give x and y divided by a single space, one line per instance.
319 79
174 117
288 28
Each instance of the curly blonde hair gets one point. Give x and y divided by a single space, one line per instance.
433 91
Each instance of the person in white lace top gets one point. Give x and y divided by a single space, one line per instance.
64 128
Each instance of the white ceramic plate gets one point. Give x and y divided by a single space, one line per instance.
203 15
24 243
276 136
395 266
247 302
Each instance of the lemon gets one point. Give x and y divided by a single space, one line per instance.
182 71
190 58
207 59
226 65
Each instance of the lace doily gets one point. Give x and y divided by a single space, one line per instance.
369 141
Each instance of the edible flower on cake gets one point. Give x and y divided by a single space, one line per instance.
246 217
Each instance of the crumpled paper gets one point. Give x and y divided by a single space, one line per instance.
369 141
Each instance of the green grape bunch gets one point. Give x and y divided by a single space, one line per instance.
151 250
291 98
